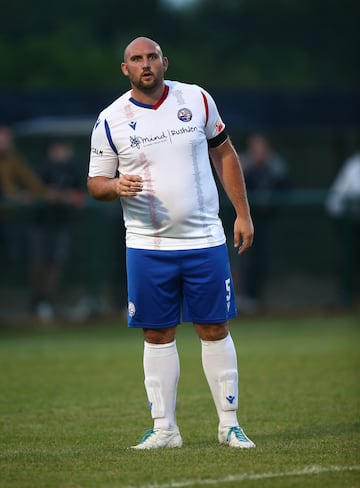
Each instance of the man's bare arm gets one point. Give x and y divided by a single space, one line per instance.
227 165
109 189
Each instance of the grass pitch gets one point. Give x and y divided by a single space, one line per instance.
72 401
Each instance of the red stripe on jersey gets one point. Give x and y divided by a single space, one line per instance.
206 108
162 99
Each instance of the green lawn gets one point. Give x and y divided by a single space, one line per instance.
72 401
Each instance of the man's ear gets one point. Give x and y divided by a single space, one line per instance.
124 69
165 63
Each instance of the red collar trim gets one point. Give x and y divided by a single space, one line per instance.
162 99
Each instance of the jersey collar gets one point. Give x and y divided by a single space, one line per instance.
156 105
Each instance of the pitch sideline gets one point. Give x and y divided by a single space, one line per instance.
308 470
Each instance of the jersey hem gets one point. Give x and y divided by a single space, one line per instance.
176 247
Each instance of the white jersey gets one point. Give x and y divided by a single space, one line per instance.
166 144
344 196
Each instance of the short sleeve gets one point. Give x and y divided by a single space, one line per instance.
103 155
214 123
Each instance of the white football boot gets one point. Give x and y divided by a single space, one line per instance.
158 438
234 437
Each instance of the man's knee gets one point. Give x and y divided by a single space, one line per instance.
160 336
212 332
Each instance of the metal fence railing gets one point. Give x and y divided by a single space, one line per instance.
306 258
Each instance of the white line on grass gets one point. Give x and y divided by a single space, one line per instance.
308 470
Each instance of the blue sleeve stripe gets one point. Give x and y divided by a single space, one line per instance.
109 138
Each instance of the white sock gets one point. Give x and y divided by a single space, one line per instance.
220 364
162 370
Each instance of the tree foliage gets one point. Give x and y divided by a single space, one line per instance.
293 44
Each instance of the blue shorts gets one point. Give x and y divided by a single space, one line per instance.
165 287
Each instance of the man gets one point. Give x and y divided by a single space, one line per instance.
343 205
266 177
18 185
51 236
157 137
18 182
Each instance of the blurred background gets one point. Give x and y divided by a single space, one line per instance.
285 76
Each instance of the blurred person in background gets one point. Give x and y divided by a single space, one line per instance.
19 185
266 175
18 182
51 234
343 205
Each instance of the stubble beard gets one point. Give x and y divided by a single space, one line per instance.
148 86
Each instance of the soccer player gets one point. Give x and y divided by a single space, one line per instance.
151 148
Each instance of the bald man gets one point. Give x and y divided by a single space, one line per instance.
150 148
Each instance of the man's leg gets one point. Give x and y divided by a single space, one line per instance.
220 367
154 298
161 369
